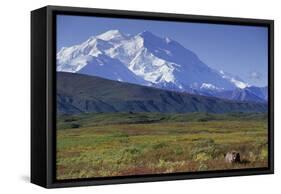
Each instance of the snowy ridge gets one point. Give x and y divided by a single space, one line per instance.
235 80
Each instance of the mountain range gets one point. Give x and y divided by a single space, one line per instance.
78 93
148 60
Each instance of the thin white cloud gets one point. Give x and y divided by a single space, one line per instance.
255 75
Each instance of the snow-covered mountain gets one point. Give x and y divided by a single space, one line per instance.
145 59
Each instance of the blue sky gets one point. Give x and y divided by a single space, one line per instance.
239 50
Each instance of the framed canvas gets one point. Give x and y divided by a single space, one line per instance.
125 96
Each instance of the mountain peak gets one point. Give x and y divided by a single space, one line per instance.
147 34
110 34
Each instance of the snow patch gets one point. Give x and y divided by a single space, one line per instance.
109 35
235 80
209 87
168 40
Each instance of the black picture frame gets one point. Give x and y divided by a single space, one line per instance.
43 95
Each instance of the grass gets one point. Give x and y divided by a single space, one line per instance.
118 144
